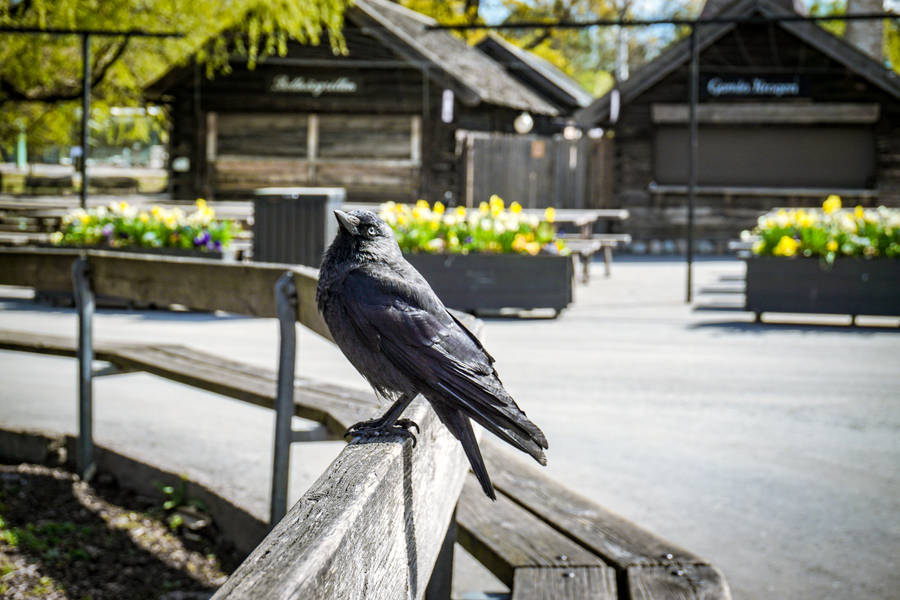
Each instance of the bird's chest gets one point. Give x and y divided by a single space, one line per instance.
363 349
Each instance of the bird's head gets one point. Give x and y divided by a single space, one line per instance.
363 231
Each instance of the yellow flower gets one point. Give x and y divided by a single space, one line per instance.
550 214
156 211
832 204
422 204
201 203
832 245
84 218
533 248
787 246
123 206
858 212
496 211
515 208
519 243
439 207
144 217
461 212
496 202
483 208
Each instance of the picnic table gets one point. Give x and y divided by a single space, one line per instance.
577 229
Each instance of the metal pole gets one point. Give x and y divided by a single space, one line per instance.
692 159
84 300
286 300
85 113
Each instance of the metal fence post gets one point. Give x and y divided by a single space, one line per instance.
84 300
286 300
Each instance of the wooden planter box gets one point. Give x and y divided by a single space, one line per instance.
67 298
851 286
479 282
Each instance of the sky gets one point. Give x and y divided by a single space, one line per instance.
493 11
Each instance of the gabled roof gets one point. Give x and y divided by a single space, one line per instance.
536 73
473 76
679 53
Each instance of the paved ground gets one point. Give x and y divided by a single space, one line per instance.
772 450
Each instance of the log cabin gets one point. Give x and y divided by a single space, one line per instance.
381 121
788 113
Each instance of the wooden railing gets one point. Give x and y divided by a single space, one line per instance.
382 520
375 522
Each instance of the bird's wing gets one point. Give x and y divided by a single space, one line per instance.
401 317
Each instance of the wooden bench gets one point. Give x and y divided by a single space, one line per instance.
117 184
585 248
379 522
57 184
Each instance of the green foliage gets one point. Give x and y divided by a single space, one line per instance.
122 226
489 229
587 55
40 75
176 497
828 233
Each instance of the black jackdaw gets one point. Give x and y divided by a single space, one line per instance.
392 327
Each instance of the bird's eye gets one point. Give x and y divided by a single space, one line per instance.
372 231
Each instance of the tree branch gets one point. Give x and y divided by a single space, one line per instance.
14 94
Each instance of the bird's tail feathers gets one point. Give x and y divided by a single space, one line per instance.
461 428
505 421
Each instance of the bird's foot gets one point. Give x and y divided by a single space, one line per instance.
377 428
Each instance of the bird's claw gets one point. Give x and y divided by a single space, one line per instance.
375 428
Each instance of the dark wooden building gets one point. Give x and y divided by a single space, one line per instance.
788 114
381 121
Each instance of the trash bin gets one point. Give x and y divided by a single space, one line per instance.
294 224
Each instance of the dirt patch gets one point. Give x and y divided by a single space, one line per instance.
61 538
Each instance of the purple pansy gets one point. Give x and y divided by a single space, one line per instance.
202 239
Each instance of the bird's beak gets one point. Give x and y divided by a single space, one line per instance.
348 222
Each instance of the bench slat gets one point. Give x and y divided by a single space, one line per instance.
612 537
584 583
689 582
505 537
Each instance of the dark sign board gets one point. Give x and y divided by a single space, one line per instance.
753 86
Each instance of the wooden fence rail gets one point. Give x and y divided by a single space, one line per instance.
381 521
375 522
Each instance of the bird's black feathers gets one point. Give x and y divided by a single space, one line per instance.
393 328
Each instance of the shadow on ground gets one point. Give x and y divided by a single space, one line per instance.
60 537
764 328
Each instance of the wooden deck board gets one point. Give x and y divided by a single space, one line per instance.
558 583
504 537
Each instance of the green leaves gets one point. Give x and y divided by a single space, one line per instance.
492 228
829 233
40 75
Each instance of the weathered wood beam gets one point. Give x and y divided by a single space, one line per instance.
768 112
650 566
201 284
506 538
584 583
371 527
